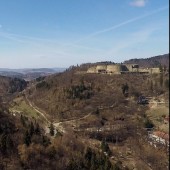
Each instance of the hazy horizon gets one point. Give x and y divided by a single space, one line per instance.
22 68
50 34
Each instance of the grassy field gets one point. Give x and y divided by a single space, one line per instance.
23 107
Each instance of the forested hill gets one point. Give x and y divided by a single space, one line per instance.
155 61
11 85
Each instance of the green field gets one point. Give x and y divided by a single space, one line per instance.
20 105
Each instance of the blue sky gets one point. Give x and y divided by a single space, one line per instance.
60 33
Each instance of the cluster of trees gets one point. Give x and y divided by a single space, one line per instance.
36 157
68 153
158 84
6 143
16 85
80 91
42 84
110 136
105 147
40 78
91 160
6 129
23 145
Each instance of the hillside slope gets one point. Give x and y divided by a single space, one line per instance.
155 61
11 85
24 145
97 107
68 94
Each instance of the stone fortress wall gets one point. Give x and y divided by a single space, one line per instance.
122 69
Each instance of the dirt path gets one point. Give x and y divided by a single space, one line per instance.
72 120
57 125
35 108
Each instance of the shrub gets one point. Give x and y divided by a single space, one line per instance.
148 123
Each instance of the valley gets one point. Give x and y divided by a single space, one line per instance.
68 116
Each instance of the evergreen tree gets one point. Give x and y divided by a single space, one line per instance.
3 146
27 138
51 129
6 143
107 165
93 162
31 129
88 154
22 120
45 141
37 129
105 147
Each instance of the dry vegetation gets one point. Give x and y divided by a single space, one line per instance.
106 122
23 145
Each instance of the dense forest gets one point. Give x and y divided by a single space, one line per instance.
11 85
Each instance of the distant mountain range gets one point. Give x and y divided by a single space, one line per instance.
155 61
29 73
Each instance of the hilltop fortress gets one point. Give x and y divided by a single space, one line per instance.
122 69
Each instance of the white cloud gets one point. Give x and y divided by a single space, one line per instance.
138 3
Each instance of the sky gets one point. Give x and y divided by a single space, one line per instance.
61 33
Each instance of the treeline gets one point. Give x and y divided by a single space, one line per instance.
81 91
16 85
